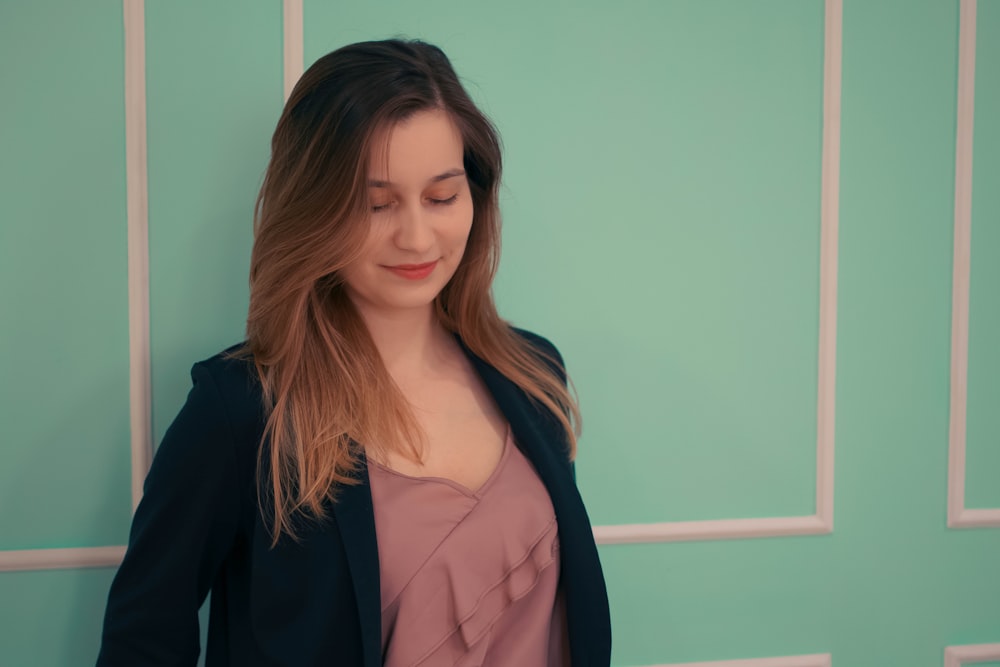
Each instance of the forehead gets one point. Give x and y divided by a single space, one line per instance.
411 151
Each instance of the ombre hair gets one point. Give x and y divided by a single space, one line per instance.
325 388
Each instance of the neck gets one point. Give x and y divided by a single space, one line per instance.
409 341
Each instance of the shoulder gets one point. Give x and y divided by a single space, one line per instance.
537 340
231 379
233 372
209 450
545 349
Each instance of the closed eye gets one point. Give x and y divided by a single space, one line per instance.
376 208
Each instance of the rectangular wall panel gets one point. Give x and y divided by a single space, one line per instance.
662 258
982 468
64 383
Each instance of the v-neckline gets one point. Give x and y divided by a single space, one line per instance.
458 486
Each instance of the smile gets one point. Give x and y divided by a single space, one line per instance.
413 271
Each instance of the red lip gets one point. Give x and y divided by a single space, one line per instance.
413 271
412 267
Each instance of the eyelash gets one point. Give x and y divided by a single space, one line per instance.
436 202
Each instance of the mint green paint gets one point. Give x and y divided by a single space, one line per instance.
64 467
52 618
212 107
673 146
732 372
983 436
891 585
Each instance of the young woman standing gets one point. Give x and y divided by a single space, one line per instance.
381 473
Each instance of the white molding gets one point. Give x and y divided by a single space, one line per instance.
58 559
137 223
723 529
829 252
976 518
960 264
956 656
292 22
814 660
822 521
140 392
958 515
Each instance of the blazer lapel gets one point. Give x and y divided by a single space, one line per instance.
356 521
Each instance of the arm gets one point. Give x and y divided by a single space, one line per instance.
181 533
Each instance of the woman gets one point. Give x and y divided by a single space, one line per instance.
381 474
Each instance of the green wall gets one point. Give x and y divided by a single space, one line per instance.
662 226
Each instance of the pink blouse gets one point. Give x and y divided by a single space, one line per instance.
469 578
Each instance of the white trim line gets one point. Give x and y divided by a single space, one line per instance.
137 223
815 660
822 521
956 656
960 262
829 236
958 515
292 21
977 518
722 529
138 244
59 559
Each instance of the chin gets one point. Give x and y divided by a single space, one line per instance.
423 298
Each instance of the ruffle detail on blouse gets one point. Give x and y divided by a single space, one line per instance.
472 596
462 572
512 586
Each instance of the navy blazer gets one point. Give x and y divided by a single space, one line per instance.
314 601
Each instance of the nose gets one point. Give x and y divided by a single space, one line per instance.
413 229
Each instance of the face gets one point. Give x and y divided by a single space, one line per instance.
421 215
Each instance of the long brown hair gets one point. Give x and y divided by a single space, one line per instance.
324 385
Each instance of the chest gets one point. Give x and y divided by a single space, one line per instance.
464 432
464 575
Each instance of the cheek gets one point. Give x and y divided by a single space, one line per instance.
461 224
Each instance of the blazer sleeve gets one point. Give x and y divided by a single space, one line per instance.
182 531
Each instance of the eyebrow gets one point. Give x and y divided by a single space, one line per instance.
451 173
